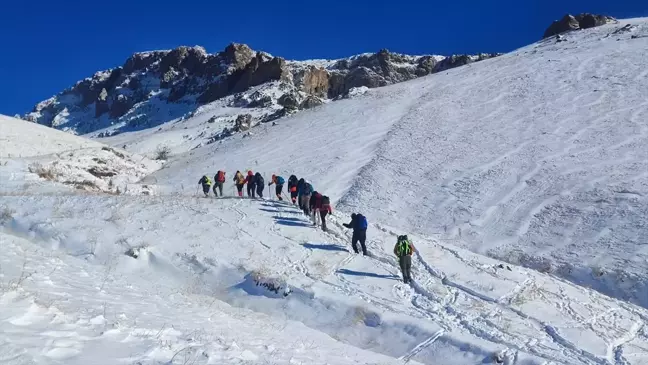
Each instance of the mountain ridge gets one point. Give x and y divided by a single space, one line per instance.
121 98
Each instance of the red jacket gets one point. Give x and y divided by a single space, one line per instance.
316 203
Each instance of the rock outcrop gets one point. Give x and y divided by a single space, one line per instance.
189 77
582 21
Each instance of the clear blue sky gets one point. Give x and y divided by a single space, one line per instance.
49 45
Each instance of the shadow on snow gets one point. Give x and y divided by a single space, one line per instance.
367 274
326 247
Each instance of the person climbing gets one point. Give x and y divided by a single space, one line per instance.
279 182
260 184
314 205
403 250
219 180
304 196
325 209
206 184
300 185
239 180
292 188
251 185
359 225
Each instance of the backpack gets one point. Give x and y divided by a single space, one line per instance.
362 222
326 200
308 189
240 179
280 180
220 176
403 246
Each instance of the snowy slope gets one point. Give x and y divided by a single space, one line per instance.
191 292
31 155
536 157
19 139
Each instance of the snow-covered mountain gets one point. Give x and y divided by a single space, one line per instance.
522 180
152 88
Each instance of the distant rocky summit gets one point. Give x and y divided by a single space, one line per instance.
582 21
152 88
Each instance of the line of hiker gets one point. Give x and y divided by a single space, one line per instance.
314 205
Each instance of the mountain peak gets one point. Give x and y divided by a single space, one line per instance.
122 98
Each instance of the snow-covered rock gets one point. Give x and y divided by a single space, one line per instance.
152 88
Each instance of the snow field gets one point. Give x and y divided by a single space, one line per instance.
201 253
535 157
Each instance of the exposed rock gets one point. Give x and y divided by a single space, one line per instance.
425 66
259 71
243 122
452 62
120 106
311 102
316 81
141 61
237 55
189 71
363 76
261 101
336 85
274 116
581 21
288 101
587 20
102 106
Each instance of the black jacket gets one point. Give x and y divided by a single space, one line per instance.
292 181
258 179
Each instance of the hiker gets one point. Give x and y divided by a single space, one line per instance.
260 184
300 185
206 184
219 180
292 188
239 180
279 182
403 250
251 184
314 205
304 196
319 208
359 225
325 209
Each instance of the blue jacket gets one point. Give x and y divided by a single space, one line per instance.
305 189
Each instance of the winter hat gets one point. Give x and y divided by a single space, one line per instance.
250 173
353 215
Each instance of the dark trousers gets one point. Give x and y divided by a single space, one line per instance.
218 185
278 191
405 262
293 196
359 236
239 188
323 214
251 189
260 188
206 189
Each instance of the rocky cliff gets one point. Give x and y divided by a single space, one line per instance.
581 21
151 88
